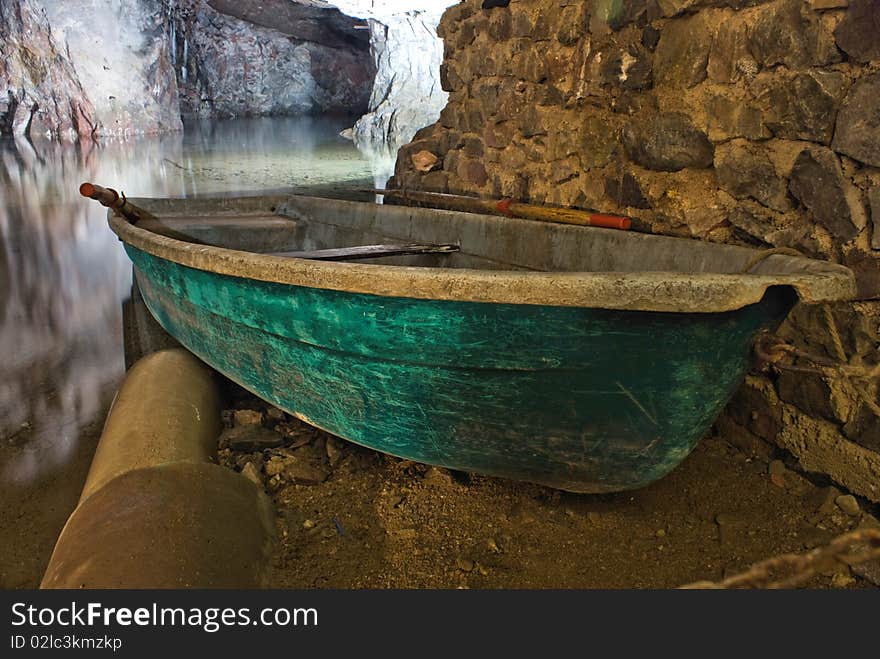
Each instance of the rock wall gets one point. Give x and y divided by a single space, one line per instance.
109 68
743 121
40 92
123 60
271 58
406 94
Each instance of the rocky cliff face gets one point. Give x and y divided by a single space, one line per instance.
270 58
122 69
407 53
123 60
751 122
406 94
40 92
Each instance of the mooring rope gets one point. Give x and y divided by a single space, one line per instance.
765 253
771 349
854 548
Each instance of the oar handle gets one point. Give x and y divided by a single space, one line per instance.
105 196
510 208
111 199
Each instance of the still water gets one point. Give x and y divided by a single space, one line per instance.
64 275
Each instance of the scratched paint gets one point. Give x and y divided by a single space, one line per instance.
588 400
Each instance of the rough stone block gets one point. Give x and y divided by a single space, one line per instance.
858 34
864 428
531 122
874 198
498 135
572 24
857 133
625 190
670 142
752 225
730 118
628 68
752 407
866 268
806 328
801 106
809 393
597 141
789 33
615 14
746 172
817 181
683 52
472 171
729 57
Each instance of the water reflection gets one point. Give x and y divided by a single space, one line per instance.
63 274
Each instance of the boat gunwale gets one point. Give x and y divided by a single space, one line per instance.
659 291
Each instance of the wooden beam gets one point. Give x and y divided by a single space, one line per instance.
368 252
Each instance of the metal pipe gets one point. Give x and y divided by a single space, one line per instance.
155 512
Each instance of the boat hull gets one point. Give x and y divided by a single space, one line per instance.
586 400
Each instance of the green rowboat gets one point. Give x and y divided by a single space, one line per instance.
587 359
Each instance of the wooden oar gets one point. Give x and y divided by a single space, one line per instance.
511 208
368 252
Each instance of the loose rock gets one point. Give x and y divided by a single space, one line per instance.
465 565
248 417
301 472
438 476
842 580
251 472
334 450
848 504
275 415
246 439
824 500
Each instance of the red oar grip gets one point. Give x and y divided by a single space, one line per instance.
105 196
610 221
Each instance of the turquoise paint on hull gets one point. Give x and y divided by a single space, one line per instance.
587 400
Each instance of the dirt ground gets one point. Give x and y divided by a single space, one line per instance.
34 511
349 517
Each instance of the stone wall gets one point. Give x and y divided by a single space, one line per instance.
738 121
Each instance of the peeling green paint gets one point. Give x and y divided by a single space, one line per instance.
588 400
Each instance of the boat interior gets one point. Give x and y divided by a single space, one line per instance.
302 227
